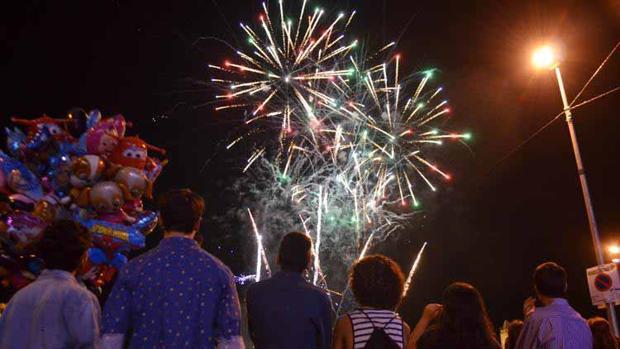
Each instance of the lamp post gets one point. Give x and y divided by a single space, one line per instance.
614 253
545 58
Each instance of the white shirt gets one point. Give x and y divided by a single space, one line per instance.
53 312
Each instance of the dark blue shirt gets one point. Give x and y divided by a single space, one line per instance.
286 311
175 296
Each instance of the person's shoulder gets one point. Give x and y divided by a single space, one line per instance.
343 323
78 293
321 293
214 264
314 291
138 261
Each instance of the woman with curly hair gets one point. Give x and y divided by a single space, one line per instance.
377 284
461 322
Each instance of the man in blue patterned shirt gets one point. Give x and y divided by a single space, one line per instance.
554 325
176 295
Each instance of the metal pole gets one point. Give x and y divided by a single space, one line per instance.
611 312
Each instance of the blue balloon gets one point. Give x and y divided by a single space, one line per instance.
98 256
29 185
146 222
15 140
42 137
113 236
94 116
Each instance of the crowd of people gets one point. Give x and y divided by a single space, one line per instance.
179 296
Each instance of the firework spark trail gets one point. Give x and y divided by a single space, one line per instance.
412 270
317 246
348 143
260 251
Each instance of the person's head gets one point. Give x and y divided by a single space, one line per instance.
550 280
63 245
377 282
514 329
465 314
295 254
181 211
602 337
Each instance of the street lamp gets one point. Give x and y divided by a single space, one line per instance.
614 253
546 57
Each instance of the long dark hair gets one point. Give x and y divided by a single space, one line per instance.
601 334
464 317
514 330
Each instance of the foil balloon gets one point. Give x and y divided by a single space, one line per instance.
86 171
15 140
77 122
22 230
102 265
98 256
146 222
17 272
58 176
133 152
107 200
113 237
94 116
102 137
134 184
116 124
35 125
18 181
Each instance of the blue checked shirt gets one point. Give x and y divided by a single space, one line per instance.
556 326
175 296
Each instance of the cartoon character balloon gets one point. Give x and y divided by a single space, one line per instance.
54 126
18 181
102 138
81 167
107 199
134 184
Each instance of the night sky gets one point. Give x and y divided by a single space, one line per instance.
506 210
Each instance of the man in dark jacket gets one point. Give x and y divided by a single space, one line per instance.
286 311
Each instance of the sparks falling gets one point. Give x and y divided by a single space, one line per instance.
287 72
344 142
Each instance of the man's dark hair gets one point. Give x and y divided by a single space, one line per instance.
550 280
295 252
181 210
63 244
377 281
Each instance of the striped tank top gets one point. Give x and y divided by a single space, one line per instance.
364 322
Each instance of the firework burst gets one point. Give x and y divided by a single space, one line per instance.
344 145
290 70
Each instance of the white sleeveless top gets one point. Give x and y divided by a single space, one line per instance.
364 322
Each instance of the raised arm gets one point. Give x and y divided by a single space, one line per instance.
431 312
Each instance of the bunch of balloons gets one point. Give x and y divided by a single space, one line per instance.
82 167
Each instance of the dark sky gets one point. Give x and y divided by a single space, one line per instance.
491 226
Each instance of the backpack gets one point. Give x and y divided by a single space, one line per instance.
379 339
